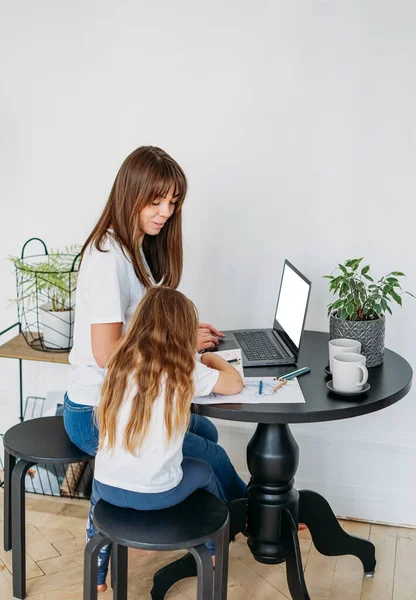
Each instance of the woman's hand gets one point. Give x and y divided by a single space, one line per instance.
207 337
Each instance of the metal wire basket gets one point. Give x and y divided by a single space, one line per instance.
46 286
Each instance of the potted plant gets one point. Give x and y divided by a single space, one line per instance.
46 297
359 311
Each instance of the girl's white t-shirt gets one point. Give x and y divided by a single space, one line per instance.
157 464
108 291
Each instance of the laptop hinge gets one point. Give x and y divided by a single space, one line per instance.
279 339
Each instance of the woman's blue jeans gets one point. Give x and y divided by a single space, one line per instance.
200 442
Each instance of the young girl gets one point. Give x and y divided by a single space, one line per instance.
144 410
136 242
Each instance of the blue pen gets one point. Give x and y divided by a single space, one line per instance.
260 387
296 373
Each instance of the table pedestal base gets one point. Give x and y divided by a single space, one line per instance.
271 513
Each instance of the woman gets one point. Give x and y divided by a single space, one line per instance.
136 243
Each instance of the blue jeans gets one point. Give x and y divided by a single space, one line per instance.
200 442
197 474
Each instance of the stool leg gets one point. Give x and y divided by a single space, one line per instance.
9 464
119 559
18 528
205 572
91 552
221 562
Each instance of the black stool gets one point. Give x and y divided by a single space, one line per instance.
36 441
188 525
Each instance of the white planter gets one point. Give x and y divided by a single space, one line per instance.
58 327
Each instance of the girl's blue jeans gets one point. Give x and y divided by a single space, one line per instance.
200 442
197 474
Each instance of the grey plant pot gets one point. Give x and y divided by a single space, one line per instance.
369 333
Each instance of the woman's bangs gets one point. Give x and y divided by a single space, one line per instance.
166 178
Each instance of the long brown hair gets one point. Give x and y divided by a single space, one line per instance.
158 350
146 174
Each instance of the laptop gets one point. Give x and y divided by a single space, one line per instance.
279 345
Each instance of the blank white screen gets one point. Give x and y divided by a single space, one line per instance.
291 308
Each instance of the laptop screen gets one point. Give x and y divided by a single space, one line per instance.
292 304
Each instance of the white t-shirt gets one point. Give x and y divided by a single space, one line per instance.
108 291
157 466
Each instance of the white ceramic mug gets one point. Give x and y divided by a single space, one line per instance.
340 346
349 372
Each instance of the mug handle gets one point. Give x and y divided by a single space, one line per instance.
365 375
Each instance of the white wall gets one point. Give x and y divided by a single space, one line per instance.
294 121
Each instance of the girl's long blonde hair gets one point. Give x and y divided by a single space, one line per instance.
158 350
146 174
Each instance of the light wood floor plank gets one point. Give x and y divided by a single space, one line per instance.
68 546
273 574
406 532
32 569
56 535
348 575
69 592
61 563
380 587
37 546
55 582
389 530
234 592
79 510
405 572
5 581
255 585
75 525
319 574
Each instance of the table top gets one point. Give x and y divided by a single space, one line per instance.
389 382
17 347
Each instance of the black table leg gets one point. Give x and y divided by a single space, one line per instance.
273 502
327 534
274 509
185 566
272 458
295 578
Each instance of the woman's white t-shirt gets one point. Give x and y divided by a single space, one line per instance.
108 291
157 465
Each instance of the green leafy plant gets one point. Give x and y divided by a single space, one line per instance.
51 279
360 297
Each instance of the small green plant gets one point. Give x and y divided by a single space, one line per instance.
361 298
51 279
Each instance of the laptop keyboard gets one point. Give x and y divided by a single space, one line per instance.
257 345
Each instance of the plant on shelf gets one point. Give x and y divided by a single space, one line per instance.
50 278
46 296
362 302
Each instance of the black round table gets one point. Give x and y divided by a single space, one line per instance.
270 514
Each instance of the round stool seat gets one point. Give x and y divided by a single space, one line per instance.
43 440
188 524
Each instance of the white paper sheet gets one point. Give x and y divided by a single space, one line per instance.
288 394
234 355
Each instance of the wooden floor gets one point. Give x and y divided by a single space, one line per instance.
55 543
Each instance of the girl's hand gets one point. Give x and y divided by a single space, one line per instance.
207 337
